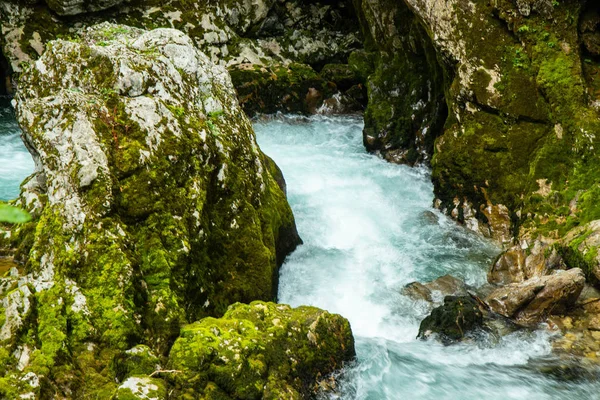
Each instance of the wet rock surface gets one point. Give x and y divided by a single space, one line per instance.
453 320
531 301
435 291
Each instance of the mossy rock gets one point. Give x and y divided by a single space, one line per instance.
453 320
295 88
406 110
261 350
141 388
161 209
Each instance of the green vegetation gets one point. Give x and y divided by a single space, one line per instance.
13 215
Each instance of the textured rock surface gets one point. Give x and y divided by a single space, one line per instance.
436 290
260 36
452 321
515 156
533 300
73 7
261 350
158 207
406 109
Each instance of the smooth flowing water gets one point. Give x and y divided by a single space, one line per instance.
369 229
15 161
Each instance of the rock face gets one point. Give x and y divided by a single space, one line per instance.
261 350
73 7
406 109
533 300
275 50
156 207
515 152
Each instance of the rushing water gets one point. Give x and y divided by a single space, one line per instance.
369 229
15 161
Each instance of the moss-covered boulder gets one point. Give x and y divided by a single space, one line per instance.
514 156
260 351
452 321
159 207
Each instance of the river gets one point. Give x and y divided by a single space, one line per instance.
369 229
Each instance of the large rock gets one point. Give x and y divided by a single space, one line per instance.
515 145
452 321
437 290
522 262
406 109
158 206
261 350
533 300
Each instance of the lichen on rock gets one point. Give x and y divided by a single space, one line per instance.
261 350
160 208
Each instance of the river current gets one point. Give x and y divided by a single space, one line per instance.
369 229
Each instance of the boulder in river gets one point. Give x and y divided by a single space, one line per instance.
529 302
157 206
453 320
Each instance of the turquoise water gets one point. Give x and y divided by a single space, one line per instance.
369 229
15 161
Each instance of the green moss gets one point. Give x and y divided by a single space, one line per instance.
258 349
573 258
177 226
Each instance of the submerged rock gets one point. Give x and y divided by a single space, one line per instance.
158 206
453 320
533 300
261 350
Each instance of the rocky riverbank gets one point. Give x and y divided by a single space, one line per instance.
155 208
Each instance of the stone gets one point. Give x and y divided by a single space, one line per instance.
140 360
238 33
452 321
159 208
518 264
436 290
261 350
531 301
142 388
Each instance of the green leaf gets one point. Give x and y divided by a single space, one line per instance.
13 215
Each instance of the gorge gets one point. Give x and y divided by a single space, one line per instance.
442 211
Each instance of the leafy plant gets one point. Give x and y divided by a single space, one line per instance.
13 215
